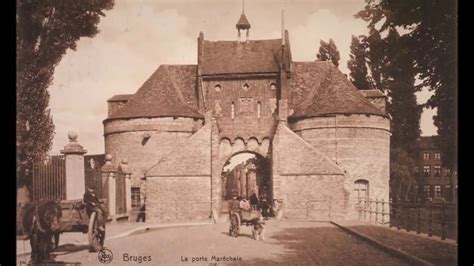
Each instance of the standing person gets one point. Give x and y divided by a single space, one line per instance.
254 200
141 213
93 205
264 205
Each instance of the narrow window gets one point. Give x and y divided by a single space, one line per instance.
135 197
361 188
437 156
426 156
272 86
259 109
426 170
232 111
437 190
437 170
427 191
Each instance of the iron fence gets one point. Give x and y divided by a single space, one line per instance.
431 218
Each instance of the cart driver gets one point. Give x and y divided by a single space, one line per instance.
93 205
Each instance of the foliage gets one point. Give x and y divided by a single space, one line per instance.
46 29
432 38
328 52
357 64
402 181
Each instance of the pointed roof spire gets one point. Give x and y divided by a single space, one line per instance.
243 23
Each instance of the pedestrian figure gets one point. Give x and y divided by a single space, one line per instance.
93 205
141 213
254 201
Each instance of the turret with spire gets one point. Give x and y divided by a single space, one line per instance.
243 24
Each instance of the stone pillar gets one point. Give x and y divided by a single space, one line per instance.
108 184
75 176
128 184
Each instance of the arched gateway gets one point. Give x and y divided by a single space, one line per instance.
318 133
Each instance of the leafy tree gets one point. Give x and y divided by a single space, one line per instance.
357 64
432 35
402 181
46 29
328 52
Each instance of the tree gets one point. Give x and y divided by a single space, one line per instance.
46 29
402 181
357 64
432 35
328 52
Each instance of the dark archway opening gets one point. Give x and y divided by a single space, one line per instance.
244 174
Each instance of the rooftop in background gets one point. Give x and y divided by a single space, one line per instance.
429 143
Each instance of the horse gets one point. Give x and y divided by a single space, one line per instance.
41 222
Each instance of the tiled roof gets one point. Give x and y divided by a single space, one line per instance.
319 88
120 98
233 57
170 91
429 143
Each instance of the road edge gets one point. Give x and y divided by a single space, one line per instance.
393 251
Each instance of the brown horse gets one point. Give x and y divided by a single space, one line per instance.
41 222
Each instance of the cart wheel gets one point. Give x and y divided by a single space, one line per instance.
96 237
234 225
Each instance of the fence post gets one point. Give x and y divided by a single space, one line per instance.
418 225
108 184
383 212
407 217
430 219
376 210
443 221
75 177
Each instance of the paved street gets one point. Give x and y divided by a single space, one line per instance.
301 243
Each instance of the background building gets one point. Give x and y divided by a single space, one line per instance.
434 181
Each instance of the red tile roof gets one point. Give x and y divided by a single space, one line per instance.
233 57
319 88
169 92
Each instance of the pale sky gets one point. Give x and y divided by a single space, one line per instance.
137 36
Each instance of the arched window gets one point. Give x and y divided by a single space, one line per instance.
246 86
232 111
217 88
273 86
259 109
361 190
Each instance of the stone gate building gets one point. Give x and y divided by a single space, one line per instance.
327 142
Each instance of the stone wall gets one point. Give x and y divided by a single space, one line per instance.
358 143
310 185
252 108
178 199
179 184
127 139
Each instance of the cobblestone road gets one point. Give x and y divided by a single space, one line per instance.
295 243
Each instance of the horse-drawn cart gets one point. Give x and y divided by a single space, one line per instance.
248 217
75 219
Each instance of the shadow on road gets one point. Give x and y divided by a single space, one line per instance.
69 248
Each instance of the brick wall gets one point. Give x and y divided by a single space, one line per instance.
178 199
359 144
311 186
125 139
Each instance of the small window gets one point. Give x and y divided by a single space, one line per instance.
232 111
361 189
426 170
437 170
246 86
259 109
437 156
218 88
437 190
426 156
447 172
447 186
135 197
273 86
427 191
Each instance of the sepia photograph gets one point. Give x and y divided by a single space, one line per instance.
236 132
